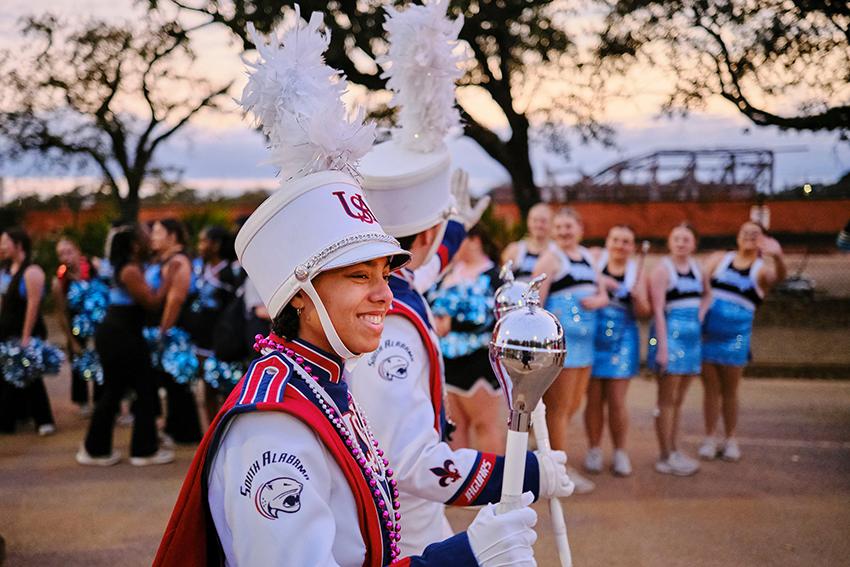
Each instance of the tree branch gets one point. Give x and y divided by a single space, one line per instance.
206 101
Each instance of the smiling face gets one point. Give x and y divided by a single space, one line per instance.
567 231
682 242
357 299
539 221
749 236
620 243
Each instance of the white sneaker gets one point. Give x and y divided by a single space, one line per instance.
731 451
84 458
593 460
582 484
708 450
46 429
682 464
677 464
663 466
166 441
161 457
622 465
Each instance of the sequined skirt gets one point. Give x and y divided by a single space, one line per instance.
683 342
579 326
616 345
727 330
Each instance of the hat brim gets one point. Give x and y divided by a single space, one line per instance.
367 251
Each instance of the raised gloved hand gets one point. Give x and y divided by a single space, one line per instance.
554 480
504 539
466 213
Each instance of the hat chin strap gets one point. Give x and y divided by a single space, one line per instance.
325 319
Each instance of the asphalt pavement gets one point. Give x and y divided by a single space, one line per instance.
786 503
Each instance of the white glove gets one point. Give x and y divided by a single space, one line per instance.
554 480
504 539
466 213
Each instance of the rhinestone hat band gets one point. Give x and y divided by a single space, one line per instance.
302 271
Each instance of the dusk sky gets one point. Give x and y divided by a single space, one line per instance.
223 146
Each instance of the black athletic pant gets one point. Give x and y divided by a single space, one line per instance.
182 421
21 403
126 365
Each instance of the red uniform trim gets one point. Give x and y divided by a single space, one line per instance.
435 377
188 538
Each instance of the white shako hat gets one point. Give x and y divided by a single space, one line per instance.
408 178
318 218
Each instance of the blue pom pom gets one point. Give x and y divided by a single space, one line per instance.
174 353
222 375
22 365
87 365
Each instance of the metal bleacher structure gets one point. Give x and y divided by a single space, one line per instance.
674 175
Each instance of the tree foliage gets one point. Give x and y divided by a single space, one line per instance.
752 53
517 44
104 95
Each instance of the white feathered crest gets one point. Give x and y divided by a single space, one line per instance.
295 98
422 64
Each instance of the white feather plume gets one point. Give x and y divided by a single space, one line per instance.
422 65
295 98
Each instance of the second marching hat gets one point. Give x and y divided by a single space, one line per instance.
407 179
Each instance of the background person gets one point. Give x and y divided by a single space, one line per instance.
678 297
21 323
125 358
573 293
738 280
176 359
525 253
616 347
81 301
463 313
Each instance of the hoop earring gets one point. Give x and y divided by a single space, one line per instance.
298 311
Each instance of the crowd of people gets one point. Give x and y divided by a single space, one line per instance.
146 316
701 318
139 323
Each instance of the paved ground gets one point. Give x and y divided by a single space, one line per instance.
786 503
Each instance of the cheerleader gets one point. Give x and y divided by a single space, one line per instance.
677 295
463 317
616 357
525 253
78 318
22 327
172 346
289 471
573 292
216 277
125 358
739 281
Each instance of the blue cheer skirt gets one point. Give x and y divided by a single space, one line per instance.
616 345
683 342
579 326
727 330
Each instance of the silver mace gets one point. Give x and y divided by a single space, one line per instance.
510 296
